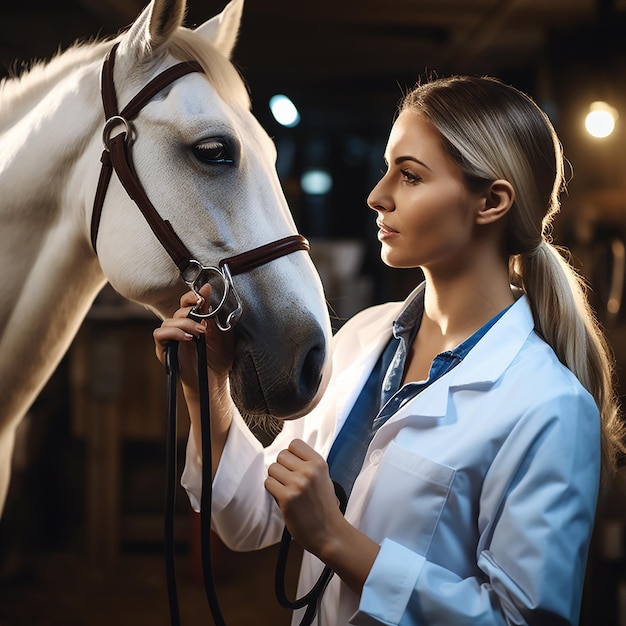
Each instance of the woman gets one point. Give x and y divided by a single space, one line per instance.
469 424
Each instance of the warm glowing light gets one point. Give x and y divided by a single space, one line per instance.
284 111
600 121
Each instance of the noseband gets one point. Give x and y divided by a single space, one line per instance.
117 156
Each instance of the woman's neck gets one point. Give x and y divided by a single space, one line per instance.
457 305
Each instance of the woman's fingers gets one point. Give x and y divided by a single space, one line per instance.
190 298
181 327
304 451
289 460
189 325
300 483
279 473
164 334
299 466
178 328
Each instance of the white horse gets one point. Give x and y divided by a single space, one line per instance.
208 168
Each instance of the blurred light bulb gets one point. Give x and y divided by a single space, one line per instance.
316 182
284 111
600 121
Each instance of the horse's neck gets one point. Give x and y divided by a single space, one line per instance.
48 118
43 304
50 275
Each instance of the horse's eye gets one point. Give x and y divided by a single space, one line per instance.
213 151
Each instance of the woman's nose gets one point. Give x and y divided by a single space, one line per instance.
378 200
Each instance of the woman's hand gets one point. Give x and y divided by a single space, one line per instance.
219 345
300 484
183 329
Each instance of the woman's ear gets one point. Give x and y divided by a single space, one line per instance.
498 199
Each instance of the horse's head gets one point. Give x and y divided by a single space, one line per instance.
209 169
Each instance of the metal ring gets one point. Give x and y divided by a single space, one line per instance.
192 281
110 124
190 277
234 316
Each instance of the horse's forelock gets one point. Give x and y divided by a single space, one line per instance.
186 45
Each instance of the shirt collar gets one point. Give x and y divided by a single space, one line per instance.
408 320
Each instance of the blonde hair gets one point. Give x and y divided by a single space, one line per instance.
494 131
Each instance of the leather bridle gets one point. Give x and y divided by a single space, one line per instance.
117 156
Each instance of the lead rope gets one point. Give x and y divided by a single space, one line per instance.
311 599
171 468
206 496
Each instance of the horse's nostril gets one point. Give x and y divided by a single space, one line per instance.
296 398
311 370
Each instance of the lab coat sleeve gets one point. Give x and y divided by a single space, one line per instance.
243 514
535 521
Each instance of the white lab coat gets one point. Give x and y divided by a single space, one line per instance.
481 490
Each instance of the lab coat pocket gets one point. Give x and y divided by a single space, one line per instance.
406 499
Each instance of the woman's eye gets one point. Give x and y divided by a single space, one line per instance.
213 151
410 177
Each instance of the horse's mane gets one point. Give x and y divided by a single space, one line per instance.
18 90
185 45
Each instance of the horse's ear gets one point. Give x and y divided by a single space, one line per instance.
222 30
154 26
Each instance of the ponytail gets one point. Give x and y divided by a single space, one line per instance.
475 114
566 321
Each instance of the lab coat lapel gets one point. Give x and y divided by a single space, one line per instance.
491 356
371 339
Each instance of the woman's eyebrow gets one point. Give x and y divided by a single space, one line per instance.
401 159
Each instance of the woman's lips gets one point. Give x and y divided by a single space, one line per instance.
385 232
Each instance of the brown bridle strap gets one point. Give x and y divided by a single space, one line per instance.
247 261
116 156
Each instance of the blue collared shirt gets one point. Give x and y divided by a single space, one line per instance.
383 393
